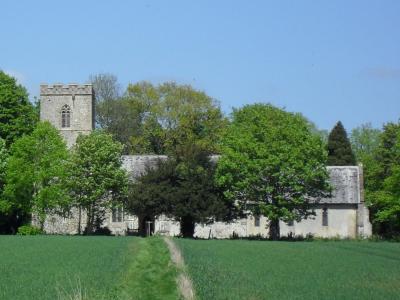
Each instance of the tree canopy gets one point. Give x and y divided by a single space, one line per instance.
35 173
3 163
272 164
157 119
339 147
107 92
364 142
96 180
181 187
17 114
382 182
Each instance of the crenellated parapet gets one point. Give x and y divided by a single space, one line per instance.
66 89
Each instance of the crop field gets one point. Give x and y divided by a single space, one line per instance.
238 269
63 267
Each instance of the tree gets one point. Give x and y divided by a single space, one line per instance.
182 188
4 218
364 142
96 180
17 114
149 193
158 118
3 163
35 173
197 199
382 182
107 92
272 165
189 116
339 147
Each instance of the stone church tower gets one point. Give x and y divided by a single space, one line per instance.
70 108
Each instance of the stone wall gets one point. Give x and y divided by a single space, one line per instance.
79 98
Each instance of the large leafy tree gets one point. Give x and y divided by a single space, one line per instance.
96 180
148 194
3 163
272 164
107 92
4 217
364 142
159 118
382 182
182 188
35 173
17 114
197 199
339 147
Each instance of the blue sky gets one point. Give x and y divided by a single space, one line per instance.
330 60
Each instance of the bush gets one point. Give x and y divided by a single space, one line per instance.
29 230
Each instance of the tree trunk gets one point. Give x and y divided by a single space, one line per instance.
274 230
187 227
89 229
79 219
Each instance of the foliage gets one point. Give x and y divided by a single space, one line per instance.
29 230
322 133
364 142
35 173
196 198
3 163
148 194
272 165
107 92
183 188
240 269
339 147
157 119
96 180
382 182
17 114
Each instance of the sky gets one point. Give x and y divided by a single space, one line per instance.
329 60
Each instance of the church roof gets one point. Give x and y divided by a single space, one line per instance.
345 180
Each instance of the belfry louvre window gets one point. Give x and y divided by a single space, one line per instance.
324 216
65 116
117 214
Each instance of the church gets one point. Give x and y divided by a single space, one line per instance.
70 108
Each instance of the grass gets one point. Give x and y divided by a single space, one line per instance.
66 267
241 269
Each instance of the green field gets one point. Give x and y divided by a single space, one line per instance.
293 270
62 267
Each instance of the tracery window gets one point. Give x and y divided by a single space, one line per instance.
65 116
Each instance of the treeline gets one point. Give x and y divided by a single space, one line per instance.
272 161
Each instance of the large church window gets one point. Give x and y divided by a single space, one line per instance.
65 116
117 214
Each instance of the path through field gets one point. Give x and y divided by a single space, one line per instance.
82 268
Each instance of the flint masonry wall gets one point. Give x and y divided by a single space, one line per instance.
80 99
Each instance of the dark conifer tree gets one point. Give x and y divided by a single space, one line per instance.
339 147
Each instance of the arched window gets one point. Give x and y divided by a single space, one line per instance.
325 216
65 116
